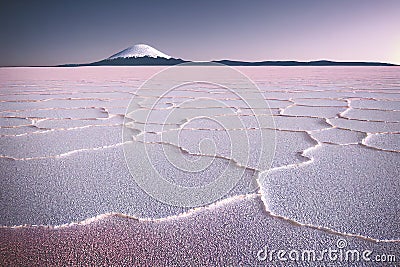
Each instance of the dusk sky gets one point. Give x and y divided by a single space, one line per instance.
57 32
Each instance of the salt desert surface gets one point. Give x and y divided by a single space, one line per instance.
329 171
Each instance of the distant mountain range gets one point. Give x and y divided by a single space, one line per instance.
145 55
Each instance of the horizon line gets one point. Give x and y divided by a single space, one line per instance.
389 64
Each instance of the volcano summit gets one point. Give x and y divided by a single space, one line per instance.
139 50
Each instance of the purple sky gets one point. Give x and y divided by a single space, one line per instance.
57 32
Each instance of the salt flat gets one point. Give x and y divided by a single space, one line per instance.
228 233
330 161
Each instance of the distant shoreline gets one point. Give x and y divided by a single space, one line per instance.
154 62
150 61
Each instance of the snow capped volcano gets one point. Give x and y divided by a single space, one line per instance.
139 50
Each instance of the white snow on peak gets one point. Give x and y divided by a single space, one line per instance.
139 50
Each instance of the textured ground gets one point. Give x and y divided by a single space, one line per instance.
334 174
